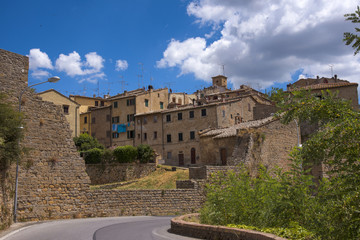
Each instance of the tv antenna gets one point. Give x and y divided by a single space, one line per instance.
331 69
141 76
122 83
222 69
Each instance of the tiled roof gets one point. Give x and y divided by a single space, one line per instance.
325 86
231 131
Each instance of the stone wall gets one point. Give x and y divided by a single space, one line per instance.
109 173
205 172
53 182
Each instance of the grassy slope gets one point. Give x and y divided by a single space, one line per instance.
162 178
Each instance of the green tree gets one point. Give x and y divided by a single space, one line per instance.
125 154
10 133
351 38
145 153
86 142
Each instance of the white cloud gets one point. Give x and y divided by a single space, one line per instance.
73 66
38 61
262 42
70 64
121 65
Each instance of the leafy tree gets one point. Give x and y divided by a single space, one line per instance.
10 133
125 154
351 38
145 153
93 156
86 142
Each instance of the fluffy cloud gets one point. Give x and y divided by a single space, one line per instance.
72 65
38 61
262 42
121 65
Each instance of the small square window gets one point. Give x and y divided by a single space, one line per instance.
179 116
180 137
191 114
203 112
96 103
155 135
161 105
192 135
155 119
66 109
146 102
115 104
168 118
145 136
85 119
168 138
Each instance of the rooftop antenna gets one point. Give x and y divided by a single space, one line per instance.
141 76
98 88
331 69
84 90
122 83
168 84
223 69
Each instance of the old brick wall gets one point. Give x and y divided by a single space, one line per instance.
109 173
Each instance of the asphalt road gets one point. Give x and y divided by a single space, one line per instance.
124 228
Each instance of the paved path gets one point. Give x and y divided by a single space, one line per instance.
124 228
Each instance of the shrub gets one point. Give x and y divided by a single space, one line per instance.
86 142
107 156
93 156
125 154
145 153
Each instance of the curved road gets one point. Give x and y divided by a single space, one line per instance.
124 228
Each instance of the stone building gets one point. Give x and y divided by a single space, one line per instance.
344 89
126 105
101 124
173 132
70 108
266 141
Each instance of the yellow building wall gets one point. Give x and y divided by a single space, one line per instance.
85 123
73 116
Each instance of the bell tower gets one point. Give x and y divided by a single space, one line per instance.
220 81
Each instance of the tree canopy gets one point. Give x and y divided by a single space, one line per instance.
352 38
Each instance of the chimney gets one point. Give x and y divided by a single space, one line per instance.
317 77
150 88
335 76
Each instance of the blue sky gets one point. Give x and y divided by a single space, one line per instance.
103 46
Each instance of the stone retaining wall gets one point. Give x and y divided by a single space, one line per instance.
205 172
210 232
109 173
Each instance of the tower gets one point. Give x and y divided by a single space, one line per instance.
220 81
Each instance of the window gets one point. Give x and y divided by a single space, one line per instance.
102 103
191 114
130 134
161 105
138 135
145 136
130 117
145 120
115 135
155 135
169 155
168 118
66 109
115 104
115 119
192 135
180 137
168 138
179 116
108 134
93 120
96 103
130 102
223 112
146 102
108 117
174 100
249 107
203 112
155 119
85 119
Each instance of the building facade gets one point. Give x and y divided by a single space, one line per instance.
70 108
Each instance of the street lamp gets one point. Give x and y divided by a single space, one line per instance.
51 80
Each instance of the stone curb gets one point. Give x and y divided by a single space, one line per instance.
203 231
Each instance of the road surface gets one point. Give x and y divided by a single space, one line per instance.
122 228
